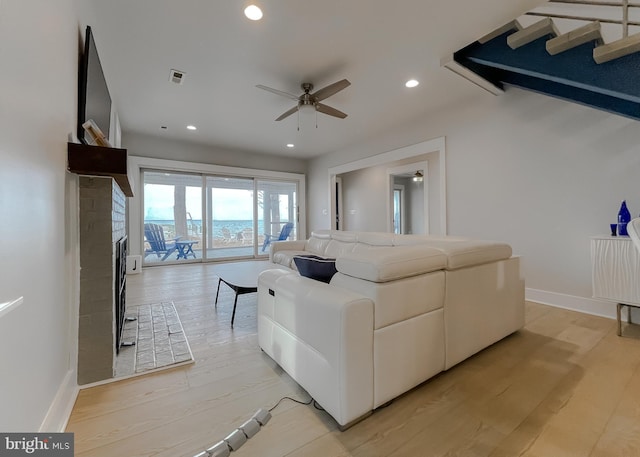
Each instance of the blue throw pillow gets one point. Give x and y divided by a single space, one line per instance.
315 267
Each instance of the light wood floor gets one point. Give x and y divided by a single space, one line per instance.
564 386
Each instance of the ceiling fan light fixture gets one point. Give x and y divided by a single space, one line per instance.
303 108
418 176
253 12
309 102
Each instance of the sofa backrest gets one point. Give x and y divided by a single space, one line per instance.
380 238
388 263
457 252
317 245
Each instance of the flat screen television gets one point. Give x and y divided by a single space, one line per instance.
94 101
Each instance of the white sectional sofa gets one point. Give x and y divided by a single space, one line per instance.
401 309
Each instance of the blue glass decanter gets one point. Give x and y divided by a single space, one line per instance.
624 217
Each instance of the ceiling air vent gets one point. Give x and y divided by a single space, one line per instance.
176 76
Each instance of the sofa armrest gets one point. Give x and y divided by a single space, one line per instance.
289 245
322 336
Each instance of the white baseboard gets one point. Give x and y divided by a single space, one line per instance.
62 405
582 304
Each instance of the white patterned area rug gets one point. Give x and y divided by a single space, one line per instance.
159 338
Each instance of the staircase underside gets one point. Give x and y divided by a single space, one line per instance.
572 75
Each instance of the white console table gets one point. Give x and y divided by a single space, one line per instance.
615 270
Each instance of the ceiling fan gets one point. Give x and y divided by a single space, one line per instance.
312 99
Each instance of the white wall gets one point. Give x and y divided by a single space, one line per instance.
161 148
539 173
38 93
365 200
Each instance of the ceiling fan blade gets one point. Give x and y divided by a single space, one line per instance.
278 92
330 111
288 113
331 89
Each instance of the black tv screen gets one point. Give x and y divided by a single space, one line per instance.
94 101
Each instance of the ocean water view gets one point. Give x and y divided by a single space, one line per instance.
194 226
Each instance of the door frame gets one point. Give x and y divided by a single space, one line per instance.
336 198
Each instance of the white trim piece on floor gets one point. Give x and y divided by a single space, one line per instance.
10 305
136 375
592 306
60 410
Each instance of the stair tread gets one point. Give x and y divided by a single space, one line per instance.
532 33
576 37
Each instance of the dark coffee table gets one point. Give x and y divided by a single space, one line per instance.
242 277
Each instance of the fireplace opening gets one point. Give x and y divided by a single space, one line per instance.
120 288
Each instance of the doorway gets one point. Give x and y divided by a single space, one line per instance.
409 198
399 222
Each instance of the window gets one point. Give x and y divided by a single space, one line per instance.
191 217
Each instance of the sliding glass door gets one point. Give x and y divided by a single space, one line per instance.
172 217
230 217
195 217
277 207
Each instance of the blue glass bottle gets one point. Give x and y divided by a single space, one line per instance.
624 217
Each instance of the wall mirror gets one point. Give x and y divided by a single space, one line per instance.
362 193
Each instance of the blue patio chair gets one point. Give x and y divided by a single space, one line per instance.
284 234
154 234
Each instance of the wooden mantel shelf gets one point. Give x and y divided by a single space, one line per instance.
84 159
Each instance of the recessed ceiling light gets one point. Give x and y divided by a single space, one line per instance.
412 83
163 127
253 12
191 127
290 145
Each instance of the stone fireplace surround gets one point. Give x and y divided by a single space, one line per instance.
102 224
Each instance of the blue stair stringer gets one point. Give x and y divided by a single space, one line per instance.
572 75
